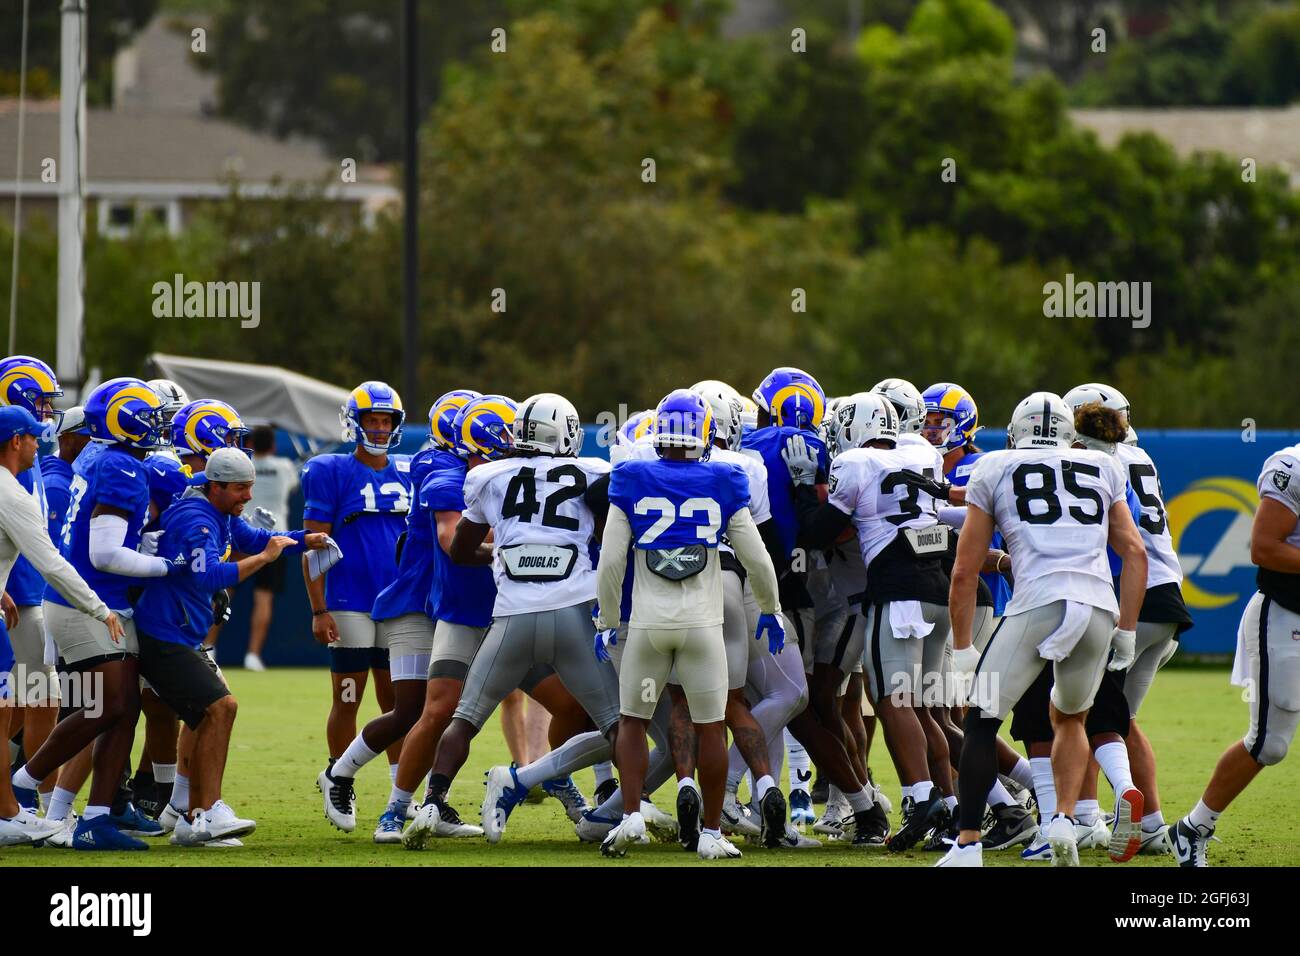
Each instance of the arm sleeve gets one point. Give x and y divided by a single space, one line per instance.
820 524
25 525
109 554
953 515
612 566
747 542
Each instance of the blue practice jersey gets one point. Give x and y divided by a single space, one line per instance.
167 480
458 593
768 443
409 591
675 504
115 479
56 474
366 510
1135 509
959 475
26 586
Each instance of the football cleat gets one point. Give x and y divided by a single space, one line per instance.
630 830
564 790
1091 837
26 827
1061 838
1126 834
972 854
688 817
660 825
738 818
340 800
866 829
134 823
190 832
222 844
918 820
772 818
801 808
821 790
423 828
169 817
98 833
504 793
792 839
28 799
1189 843
222 823
1012 826
831 821
718 848
1038 849
941 837
1156 843
389 829
63 839
593 828
605 790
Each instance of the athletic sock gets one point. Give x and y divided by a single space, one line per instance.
22 778
950 802
92 812
1044 788
764 784
164 773
392 772
1087 812
603 771
921 790
716 834
60 804
859 801
439 784
999 795
1153 821
1113 759
1203 816
575 753
180 798
400 799
800 763
354 758
1022 773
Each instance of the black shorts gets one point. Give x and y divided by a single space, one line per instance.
184 677
270 577
1031 721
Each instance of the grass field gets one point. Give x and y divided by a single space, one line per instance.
1190 715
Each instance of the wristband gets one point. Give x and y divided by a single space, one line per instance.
323 610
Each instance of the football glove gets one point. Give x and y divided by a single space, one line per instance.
604 641
149 542
221 607
965 661
264 518
800 460
1124 645
933 488
769 625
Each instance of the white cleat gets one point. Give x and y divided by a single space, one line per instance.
831 823
738 818
972 854
169 818
26 827
253 663
190 833
223 824
1156 843
662 826
1092 837
224 844
630 830
792 839
63 839
1039 850
593 828
412 809
1126 838
340 800
422 829
1060 837
717 848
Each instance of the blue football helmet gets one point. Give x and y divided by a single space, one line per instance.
684 419
791 397
29 383
960 416
372 397
482 427
442 417
126 411
204 425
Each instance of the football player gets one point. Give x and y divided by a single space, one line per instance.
361 500
1267 661
1057 508
671 511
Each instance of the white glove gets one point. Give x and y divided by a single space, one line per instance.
1124 644
149 542
965 661
800 460
264 518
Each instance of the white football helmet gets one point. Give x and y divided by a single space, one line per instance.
173 396
829 429
1108 396
727 409
547 424
1042 420
864 417
907 401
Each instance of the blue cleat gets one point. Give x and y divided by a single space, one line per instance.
136 824
99 833
801 808
564 790
27 799
504 793
390 826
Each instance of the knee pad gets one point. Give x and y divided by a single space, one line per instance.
1273 747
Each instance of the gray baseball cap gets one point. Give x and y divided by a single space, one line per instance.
226 464
74 422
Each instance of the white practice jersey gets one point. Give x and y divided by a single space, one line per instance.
760 508
1280 480
541 528
1053 508
1162 562
867 483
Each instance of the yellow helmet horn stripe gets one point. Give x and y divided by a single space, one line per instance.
799 388
28 371
456 402
141 392
208 408
466 433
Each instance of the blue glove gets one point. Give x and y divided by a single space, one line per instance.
770 624
604 641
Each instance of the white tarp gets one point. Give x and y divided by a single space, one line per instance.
261 393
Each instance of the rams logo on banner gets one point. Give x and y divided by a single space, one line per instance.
1209 526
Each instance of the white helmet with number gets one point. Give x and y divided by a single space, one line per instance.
907 401
1108 396
727 409
862 418
547 424
1043 420
829 429
173 396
